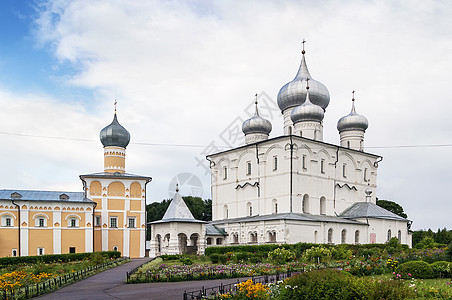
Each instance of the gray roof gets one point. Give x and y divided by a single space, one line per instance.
115 175
369 210
177 211
31 195
289 216
214 230
115 134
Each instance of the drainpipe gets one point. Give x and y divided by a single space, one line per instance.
291 170
18 219
94 209
334 186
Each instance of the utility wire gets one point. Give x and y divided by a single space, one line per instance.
205 146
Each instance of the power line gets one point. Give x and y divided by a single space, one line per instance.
205 146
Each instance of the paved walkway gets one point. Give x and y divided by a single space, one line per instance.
111 284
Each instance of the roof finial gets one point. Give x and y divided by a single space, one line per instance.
353 102
255 102
177 187
115 105
353 95
307 83
302 51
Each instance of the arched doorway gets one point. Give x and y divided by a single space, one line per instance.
192 247
182 243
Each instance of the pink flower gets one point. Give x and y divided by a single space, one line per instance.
409 274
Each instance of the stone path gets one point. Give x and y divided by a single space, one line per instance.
111 284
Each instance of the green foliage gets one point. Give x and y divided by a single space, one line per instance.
442 236
315 254
340 252
392 207
331 284
442 269
186 261
281 255
97 258
415 269
427 243
449 252
4 261
369 252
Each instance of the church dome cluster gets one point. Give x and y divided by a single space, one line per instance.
307 111
115 135
294 93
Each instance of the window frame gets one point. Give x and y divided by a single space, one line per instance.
115 218
132 219
322 166
275 163
225 173
248 168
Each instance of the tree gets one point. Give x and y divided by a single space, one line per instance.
392 207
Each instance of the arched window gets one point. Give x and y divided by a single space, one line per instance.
399 236
316 238
322 206
275 206
330 236
253 237
343 236
209 241
225 212
357 237
389 234
235 238
41 221
219 241
249 208
115 248
305 204
272 236
7 221
73 222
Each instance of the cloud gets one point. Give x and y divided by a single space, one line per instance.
183 71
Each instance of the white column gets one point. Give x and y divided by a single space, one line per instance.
56 232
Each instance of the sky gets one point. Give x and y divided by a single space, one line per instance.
184 74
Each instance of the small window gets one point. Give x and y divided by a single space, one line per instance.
225 173
235 238
41 251
322 166
115 248
344 170
131 222
276 208
365 174
114 222
389 235
71 249
41 223
399 236
275 163
357 237
330 236
97 221
303 162
348 144
248 168
251 210
219 241
72 222
343 236
8 222
14 253
209 241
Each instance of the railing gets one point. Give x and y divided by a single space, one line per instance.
131 272
49 285
214 292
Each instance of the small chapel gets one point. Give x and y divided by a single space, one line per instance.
291 188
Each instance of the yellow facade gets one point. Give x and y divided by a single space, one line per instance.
46 227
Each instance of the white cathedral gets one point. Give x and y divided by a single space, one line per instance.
288 189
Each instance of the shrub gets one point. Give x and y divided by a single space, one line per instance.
449 252
281 255
242 256
214 258
369 252
340 252
186 261
331 284
97 258
319 253
415 269
442 269
427 243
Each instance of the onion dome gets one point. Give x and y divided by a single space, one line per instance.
352 121
115 134
257 124
293 93
307 111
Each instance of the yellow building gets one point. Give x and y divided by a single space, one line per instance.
60 222
45 223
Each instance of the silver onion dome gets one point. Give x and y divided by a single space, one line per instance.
256 124
352 121
115 135
294 93
307 111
